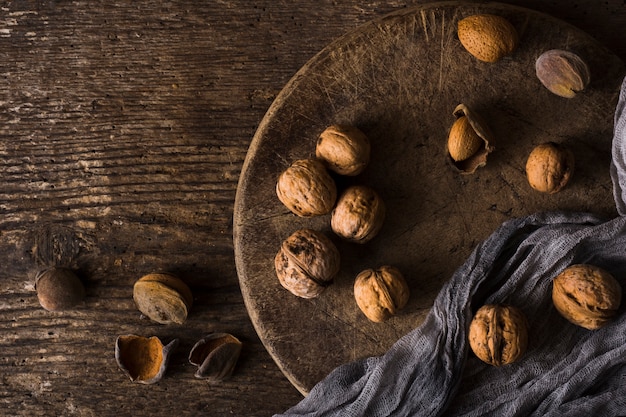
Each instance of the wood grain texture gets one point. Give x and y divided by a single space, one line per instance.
123 130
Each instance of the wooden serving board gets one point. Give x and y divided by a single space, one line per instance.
399 79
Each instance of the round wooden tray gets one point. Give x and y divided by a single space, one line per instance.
399 79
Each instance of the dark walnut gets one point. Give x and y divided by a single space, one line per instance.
59 289
306 188
306 263
358 215
381 293
586 295
498 334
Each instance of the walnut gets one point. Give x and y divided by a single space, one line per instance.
344 149
306 188
358 215
306 263
498 334
549 167
586 295
381 293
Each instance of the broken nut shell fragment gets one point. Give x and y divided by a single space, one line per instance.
215 355
163 298
144 360
58 289
470 140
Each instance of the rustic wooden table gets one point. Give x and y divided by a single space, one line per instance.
124 127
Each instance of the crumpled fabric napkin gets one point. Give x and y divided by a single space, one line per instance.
566 371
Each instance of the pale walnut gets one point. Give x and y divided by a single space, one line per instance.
345 149
306 263
549 167
306 188
586 295
498 334
381 293
358 215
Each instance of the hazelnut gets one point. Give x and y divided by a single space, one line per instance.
586 295
306 263
381 293
487 37
142 359
306 188
469 141
549 167
58 289
498 334
163 298
344 149
562 72
215 355
358 215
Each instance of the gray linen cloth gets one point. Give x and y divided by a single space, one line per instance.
566 371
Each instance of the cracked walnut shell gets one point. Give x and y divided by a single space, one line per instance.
306 263
498 334
586 295
306 188
144 360
470 140
381 293
163 298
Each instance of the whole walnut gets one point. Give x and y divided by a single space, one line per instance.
549 167
586 295
381 293
358 215
498 334
345 149
306 188
306 263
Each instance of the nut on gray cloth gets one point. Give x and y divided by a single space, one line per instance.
566 371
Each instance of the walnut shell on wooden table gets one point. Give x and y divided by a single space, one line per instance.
306 188
498 334
344 149
380 293
549 167
586 295
307 263
358 215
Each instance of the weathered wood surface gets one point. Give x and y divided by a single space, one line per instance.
124 127
399 79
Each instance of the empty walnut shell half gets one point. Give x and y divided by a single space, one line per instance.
469 141
498 334
306 263
358 215
345 149
142 359
381 293
586 295
58 289
163 298
215 355
564 73
487 37
549 167
306 188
